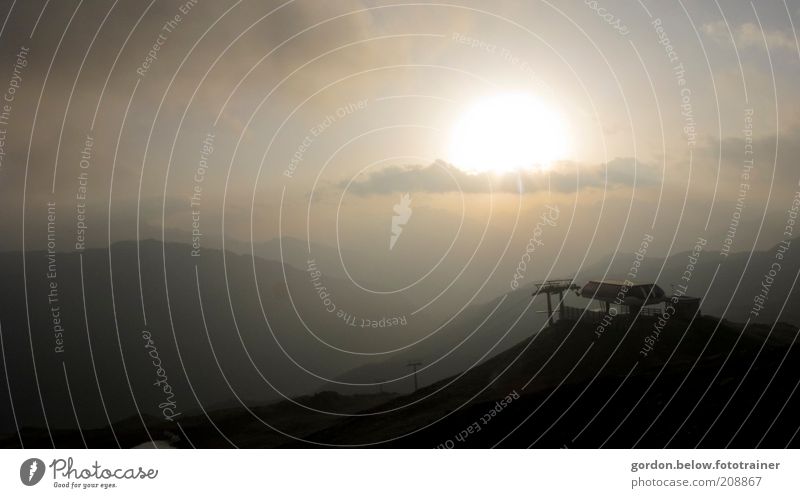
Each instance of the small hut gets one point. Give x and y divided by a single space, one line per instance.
623 293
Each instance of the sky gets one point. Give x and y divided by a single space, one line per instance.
311 120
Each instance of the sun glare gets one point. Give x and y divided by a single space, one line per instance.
506 133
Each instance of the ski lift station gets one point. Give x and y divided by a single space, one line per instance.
598 299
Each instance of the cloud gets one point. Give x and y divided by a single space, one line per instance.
440 177
748 35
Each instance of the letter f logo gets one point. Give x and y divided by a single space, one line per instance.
402 213
31 471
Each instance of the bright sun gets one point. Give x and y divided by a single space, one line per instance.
506 133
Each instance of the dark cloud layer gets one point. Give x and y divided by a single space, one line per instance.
440 177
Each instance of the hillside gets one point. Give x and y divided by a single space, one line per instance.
567 388
570 377
559 378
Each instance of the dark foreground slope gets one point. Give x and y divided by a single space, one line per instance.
707 383
710 384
